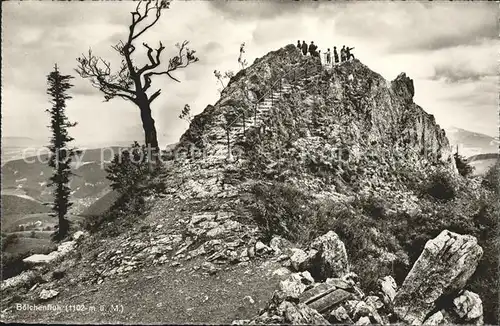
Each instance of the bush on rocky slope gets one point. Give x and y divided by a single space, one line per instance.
492 178
382 241
280 209
134 177
441 185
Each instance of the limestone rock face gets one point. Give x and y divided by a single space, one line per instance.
347 109
403 87
331 259
443 268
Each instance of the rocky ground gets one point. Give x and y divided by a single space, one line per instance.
169 278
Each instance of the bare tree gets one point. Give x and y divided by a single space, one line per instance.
243 62
222 77
130 82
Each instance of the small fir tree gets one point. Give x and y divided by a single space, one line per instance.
60 155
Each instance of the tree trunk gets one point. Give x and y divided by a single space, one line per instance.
148 124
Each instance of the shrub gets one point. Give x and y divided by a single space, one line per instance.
491 179
8 239
441 185
280 209
373 206
485 280
463 167
134 174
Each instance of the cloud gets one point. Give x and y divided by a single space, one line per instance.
412 26
250 10
465 63
451 74
448 49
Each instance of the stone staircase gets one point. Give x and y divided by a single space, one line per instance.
262 112
265 105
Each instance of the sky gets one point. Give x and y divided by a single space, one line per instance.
449 49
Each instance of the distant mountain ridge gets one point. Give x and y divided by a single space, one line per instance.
471 143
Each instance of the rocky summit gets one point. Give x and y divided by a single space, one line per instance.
288 117
305 195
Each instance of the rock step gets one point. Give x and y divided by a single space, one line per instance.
324 303
323 289
316 293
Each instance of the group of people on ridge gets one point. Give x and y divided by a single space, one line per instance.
345 52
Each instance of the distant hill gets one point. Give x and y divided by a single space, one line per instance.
29 177
471 143
483 162
19 205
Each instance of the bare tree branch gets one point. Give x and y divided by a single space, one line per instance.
184 58
99 72
154 95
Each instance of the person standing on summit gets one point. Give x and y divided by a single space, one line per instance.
348 53
304 48
298 45
342 54
312 49
328 57
335 54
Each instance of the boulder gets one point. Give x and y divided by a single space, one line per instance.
435 319
261 248
301 260
331 260
300 314
316 292
363 321
279 245
209 268
363 309
374 302
331 299
387 289
39 259
58 273
79 235
48 294
469 307
443 268
340 316
25 279
292 287
307 279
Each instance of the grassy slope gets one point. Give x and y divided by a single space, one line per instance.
18 205
9 222
26 245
